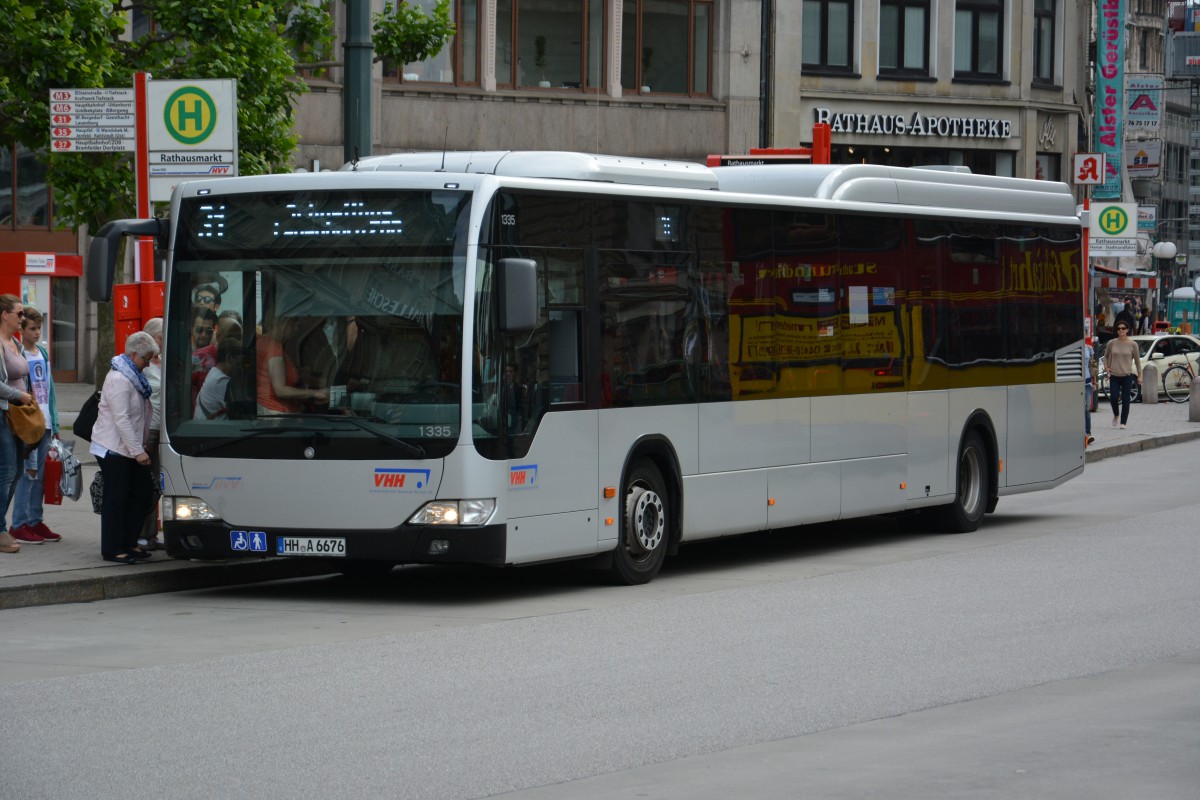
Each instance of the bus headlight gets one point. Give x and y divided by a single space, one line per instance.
454 512
186 509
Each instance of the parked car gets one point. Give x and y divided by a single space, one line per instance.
1163 352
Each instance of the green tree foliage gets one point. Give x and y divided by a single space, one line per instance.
49 44
404 33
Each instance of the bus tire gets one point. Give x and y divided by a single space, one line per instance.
645 526
972 486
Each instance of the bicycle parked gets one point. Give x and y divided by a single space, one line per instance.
1177 382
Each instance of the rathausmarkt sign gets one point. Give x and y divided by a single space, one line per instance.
916 125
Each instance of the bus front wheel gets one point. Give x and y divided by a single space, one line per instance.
971 498
645 527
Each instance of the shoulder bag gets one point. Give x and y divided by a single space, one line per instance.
26 422
85 420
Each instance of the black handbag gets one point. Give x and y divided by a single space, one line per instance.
86 419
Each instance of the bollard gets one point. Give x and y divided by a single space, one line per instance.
1194 404
1150 384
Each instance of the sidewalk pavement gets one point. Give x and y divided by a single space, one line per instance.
72 571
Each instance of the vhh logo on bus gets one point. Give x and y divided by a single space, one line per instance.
190 115
400 480
523 477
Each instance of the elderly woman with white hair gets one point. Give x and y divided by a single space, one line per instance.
118 443
148 540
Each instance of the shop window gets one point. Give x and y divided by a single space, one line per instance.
978 39
827 29
457 62
904 37
544 43
64 310
24 193
1048 167
1044 12
666 46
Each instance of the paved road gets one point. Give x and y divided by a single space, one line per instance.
1052 654
71 570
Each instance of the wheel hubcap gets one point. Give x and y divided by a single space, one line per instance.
970 489
647 520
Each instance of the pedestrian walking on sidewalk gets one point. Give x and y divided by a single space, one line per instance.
14 369
27 502
1089 376
1124 363
118 443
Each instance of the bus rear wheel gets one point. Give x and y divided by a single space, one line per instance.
971 497
645 526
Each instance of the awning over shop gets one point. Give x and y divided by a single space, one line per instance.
1125 282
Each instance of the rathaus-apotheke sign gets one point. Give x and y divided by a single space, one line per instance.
917 124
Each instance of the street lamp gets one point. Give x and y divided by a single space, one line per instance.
1164 252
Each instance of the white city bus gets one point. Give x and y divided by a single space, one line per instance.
509 358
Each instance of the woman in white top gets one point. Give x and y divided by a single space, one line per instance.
119 445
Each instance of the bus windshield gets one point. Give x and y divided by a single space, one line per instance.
331 321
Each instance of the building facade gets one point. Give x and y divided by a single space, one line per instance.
996 85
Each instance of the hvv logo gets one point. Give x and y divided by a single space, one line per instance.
389 479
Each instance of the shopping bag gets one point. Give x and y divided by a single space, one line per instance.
72 473
52 478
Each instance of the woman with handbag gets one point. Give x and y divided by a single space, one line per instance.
14 370
27 504
119 445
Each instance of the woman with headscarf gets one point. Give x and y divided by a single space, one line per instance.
118 443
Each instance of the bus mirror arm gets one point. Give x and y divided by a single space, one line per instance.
518 294
102 252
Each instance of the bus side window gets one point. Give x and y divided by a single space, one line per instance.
566 357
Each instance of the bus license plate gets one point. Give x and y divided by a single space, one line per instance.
310 546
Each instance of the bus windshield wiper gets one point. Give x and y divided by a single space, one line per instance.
410 448
248 433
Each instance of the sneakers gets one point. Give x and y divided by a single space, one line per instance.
1089 441
1122 427
47 534
1115 421
8 544
24 533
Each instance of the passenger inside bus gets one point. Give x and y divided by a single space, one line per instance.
205 358
309 348
278 378
213 400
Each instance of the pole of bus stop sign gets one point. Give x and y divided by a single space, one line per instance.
144 254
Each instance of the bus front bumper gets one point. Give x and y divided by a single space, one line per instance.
407 544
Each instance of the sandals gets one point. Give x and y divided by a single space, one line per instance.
124 558
140 555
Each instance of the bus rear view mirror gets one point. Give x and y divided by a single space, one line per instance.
102 253
518 294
